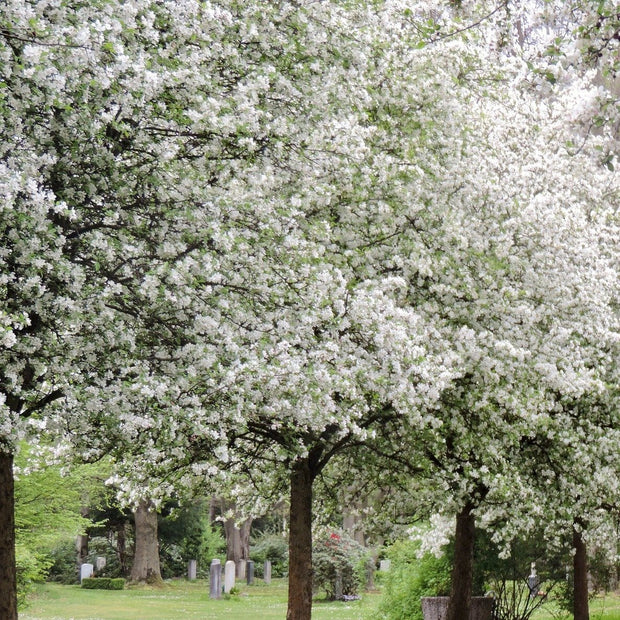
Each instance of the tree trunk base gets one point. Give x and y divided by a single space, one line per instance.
8 582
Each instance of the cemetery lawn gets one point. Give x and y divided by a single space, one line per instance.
601 608
181 599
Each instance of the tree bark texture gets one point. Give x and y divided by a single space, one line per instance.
146 566
8 579
300 544
462 571
81 547
237 542
121 548
580 574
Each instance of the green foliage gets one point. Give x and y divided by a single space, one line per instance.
272 547
47 511
234 592
64 563
100 546
410 578
338 557
186 534
507 576
103 583
31 569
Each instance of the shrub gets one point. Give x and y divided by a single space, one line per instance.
339 557
100 546
31 568
64 563
186 535
103 583
410 578
272 547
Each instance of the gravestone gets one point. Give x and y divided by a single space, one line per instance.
100 563
385 565
86 571
249 572
267 572
241 569
191 570
215 579
436 607
229 576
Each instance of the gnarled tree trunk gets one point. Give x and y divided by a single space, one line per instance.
8 579
580 574
237 542
463 569
300 543
146 566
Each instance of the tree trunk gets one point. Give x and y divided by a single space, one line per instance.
81 547
244 542
462 571
146 555
8 580
580 574
300 543
121 548
353 525
237 542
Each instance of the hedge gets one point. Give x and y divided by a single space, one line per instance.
103 583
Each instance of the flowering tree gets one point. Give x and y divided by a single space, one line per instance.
96 124
517 269
271 232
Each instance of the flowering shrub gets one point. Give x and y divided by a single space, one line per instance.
272 547
339 558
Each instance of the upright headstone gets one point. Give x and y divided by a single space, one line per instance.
267 572
241 569
249 572
191 570
215 579
229 576
86 571
100 563
385 565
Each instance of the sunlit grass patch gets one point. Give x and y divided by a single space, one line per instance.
183 599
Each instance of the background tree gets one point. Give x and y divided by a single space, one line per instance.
48 504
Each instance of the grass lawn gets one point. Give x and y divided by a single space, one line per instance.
601 608
180 600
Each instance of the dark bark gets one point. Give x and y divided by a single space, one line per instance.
300 543
81 547
8 580
121 549
146 566
580 573
463 568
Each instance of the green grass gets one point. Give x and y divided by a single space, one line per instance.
182 600
601 608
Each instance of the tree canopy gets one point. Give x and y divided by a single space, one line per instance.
249 235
